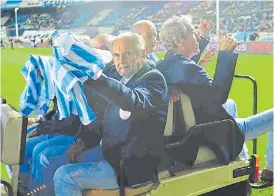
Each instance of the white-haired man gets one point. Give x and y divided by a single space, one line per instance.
178 37
130 123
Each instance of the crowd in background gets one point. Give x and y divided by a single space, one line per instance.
235 16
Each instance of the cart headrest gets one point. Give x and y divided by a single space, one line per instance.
13 131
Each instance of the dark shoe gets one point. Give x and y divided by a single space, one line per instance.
266 180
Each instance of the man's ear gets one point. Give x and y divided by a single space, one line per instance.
178 42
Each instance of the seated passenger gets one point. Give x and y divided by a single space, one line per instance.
207 95
48 139
44 135
148 31
131 122
45 131
53 156
103 42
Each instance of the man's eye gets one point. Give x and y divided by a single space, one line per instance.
127 53
116 55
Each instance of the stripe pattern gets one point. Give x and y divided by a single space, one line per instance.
62 76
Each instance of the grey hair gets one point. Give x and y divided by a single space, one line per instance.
175 28
136 27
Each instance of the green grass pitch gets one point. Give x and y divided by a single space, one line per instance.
258 66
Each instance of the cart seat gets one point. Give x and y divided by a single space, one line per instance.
205 154
13 131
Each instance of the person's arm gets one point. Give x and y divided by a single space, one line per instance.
146 96
205 27
224 74
188 76
66 126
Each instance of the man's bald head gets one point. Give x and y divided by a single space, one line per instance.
142 25
103 42
148 31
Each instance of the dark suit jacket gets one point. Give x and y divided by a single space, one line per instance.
132 138
207 95
50 123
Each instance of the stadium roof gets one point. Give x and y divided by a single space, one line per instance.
9 4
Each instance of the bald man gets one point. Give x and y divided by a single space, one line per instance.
103 42
148 31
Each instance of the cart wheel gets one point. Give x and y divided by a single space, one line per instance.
239 189
8 187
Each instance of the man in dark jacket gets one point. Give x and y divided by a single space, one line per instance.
207 95
130 123
148 31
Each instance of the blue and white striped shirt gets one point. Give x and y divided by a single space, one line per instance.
75 63
39 91
64 76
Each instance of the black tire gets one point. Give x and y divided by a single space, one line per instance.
8 186
239 189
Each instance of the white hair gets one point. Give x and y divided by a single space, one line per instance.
137 40
175 28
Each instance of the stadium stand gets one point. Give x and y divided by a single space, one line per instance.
113 16
235 16
41 21
99 17
4 19
81 19
204 8
241 18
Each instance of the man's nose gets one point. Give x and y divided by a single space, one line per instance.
154 39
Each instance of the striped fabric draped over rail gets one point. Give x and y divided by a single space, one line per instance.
39 91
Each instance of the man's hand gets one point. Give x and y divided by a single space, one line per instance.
174 95
207 57
205 27
31 121
34 133
227 42
76 149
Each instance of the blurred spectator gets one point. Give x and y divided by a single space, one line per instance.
254 37
11 43
2 44
240 17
